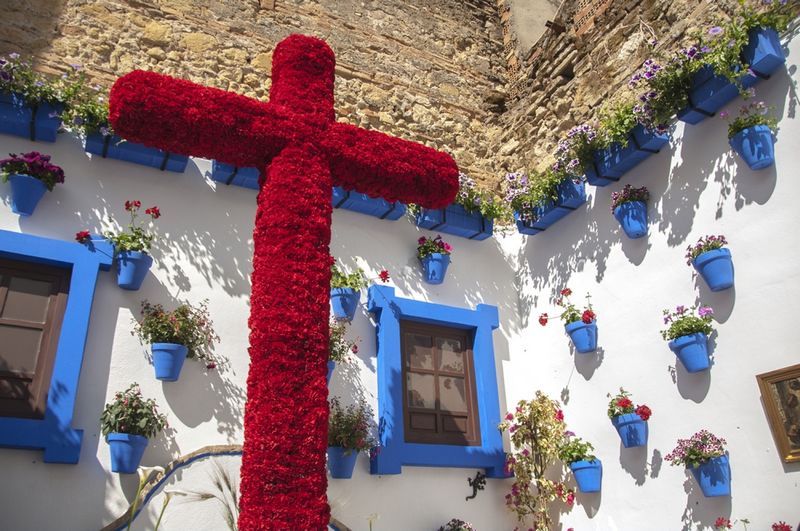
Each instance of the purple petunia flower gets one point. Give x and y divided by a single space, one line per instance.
716 30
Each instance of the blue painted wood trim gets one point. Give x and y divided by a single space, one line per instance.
54 433
394 452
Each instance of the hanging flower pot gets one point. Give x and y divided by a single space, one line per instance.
434 255
132 267
39 121
344 302
629 207
588 475
341 462
168 360
126 451
611 163
583 335
331 366
632 429
364 204
456 220
30 175
127 423
716 268
26 191
756 145
692 350
763 51
115 147
714 477
570 196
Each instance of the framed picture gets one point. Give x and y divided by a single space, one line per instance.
780 391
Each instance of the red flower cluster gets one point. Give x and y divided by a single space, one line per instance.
283 480
624 402
566 292
83 236
722 523
543 319
588 316
781 526
130 206
153 212
384 275
559 415
644 412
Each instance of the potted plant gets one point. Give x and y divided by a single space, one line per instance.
713 261
339 346
364 204
457 524
471 216
434 255
31 175
704 455
538 202
630 209
687 334
575 154
346 292
131 247
536 429
581 326
751 135
348 434
238 176
630 421
30 103
186 331
127 424
576 454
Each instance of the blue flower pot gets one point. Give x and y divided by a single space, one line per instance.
756 146
364 204
588 475
341 462
632 429
115 147
457 221
571 195
763 51
632 215
714 477
132 267
26 191
34 123
126 451
583 336
649 141
434 266
692 350
230 174
331 366
716 268
168 359
345 302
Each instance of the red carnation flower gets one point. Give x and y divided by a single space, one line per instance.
211 365
354 348
624 402
781 526
722 523
560 415
543 319
154 212
83 236
422 240
644 412
588 316
130 206
571 498
384 275
566 292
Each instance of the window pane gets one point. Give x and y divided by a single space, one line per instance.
27 299
454 424
421 390
452 354
452 394
19 348
420 353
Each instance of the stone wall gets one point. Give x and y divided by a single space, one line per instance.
428 71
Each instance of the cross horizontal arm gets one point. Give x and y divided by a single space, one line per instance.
384 166
182 117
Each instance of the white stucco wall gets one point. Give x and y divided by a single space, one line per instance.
698 187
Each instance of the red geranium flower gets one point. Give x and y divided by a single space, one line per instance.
559 415
571 498
624 402
644 412
566 292
154 212
781 526
543 319
384 275
722 523
132 205
354 348
83 236
211 365
588 316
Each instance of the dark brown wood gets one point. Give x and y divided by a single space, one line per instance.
438 425
783 409
24 393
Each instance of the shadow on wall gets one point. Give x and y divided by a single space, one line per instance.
701 512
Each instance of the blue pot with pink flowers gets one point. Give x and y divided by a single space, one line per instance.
692 351
714 476
756 146
341 462
434 267
716 268
126 451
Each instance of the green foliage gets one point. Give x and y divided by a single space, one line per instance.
356 280
620 404
17 75
575 449
349 427
186 325
525 194
536 430
575 152
683 322
616 122
87 111
750 115
474 199
428 246
339 346
136 238
131 413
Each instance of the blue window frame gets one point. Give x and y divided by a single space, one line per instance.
395 452
54 433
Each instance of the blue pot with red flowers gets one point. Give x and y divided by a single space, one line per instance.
434 256
341 462
30 176
588 475
127 423
583 335
126 451
168 360
756 146
630 421
713 476
132 268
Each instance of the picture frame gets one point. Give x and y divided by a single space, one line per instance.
780 393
